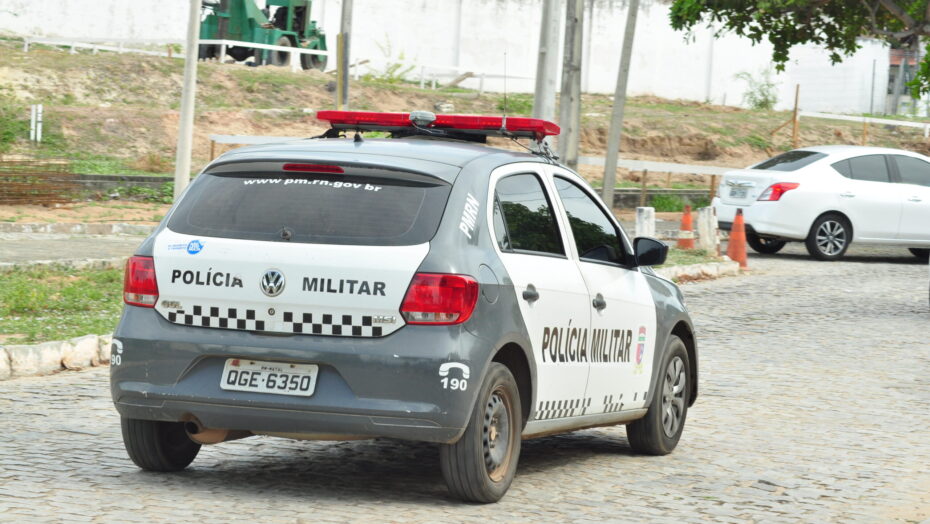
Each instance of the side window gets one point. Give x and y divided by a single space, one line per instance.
843 168
871 168
595 235
912 170
527 223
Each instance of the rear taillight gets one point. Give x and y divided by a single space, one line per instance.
775 191
439 299
139 285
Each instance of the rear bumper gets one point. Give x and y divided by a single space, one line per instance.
366 387
764 218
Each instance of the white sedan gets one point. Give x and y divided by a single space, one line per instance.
829 197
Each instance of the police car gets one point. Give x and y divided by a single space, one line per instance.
425 287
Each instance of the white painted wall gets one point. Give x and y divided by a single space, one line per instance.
498 36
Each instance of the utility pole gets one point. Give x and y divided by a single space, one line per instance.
616 119
342 56
548 62
570 98
182 161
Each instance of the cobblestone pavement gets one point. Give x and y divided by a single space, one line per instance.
814 407
24 247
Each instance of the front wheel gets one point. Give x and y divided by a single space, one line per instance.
766 246
481 465
922 254
158 446
829 237
660 430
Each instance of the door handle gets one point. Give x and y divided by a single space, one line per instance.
915 199
530 294
599 303
847 194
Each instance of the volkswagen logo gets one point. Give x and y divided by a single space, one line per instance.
272 283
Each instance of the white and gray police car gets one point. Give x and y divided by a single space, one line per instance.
424 287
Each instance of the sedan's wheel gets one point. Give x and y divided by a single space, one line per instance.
158 446
481 465
659 431
767 246
829 237
923 254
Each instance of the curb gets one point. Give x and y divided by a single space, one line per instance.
76 228
51 357
700 271
80 263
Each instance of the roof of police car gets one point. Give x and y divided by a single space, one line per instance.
450 152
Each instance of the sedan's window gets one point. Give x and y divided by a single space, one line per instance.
912 170
595 235
528 221
843 168
871 168
790 161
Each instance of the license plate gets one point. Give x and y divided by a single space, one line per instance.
738 192
279 378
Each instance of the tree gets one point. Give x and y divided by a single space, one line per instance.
833 24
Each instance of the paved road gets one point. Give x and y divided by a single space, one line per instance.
21 247
816 387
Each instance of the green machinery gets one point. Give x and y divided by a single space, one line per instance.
288 25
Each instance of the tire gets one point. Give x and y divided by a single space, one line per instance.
659 431
829 237
158 446
922 254
766 246
280 58
239 53
475 468
312 61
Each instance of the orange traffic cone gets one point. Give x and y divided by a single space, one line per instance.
686 233
736 247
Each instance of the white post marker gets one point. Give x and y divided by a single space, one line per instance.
39 123
182 164
645 222
708 239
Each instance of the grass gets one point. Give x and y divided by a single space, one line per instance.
672 203
686 257
39 305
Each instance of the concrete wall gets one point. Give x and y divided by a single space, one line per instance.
498 36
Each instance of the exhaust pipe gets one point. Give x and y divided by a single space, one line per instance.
202 435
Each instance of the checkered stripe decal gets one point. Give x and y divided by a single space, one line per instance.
293 322
344 325
551 409
611 405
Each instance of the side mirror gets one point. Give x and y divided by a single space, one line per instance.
649 251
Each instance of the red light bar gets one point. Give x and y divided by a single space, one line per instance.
313 168
534 127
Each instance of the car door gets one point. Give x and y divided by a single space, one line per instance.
914 181
621 341
868 197
553 297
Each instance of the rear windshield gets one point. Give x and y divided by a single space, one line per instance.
790 161
313 208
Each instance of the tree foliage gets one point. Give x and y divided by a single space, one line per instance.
833 24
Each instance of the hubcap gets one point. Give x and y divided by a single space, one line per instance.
496 435
673 396
831 237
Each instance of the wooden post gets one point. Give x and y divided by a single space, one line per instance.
865 132
795 129
212 149
642 191
668 180
713 186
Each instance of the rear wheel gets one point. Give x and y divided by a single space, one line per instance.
923 254
281 58
308 61
158 446
659 431
481 465
829 237
763 245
